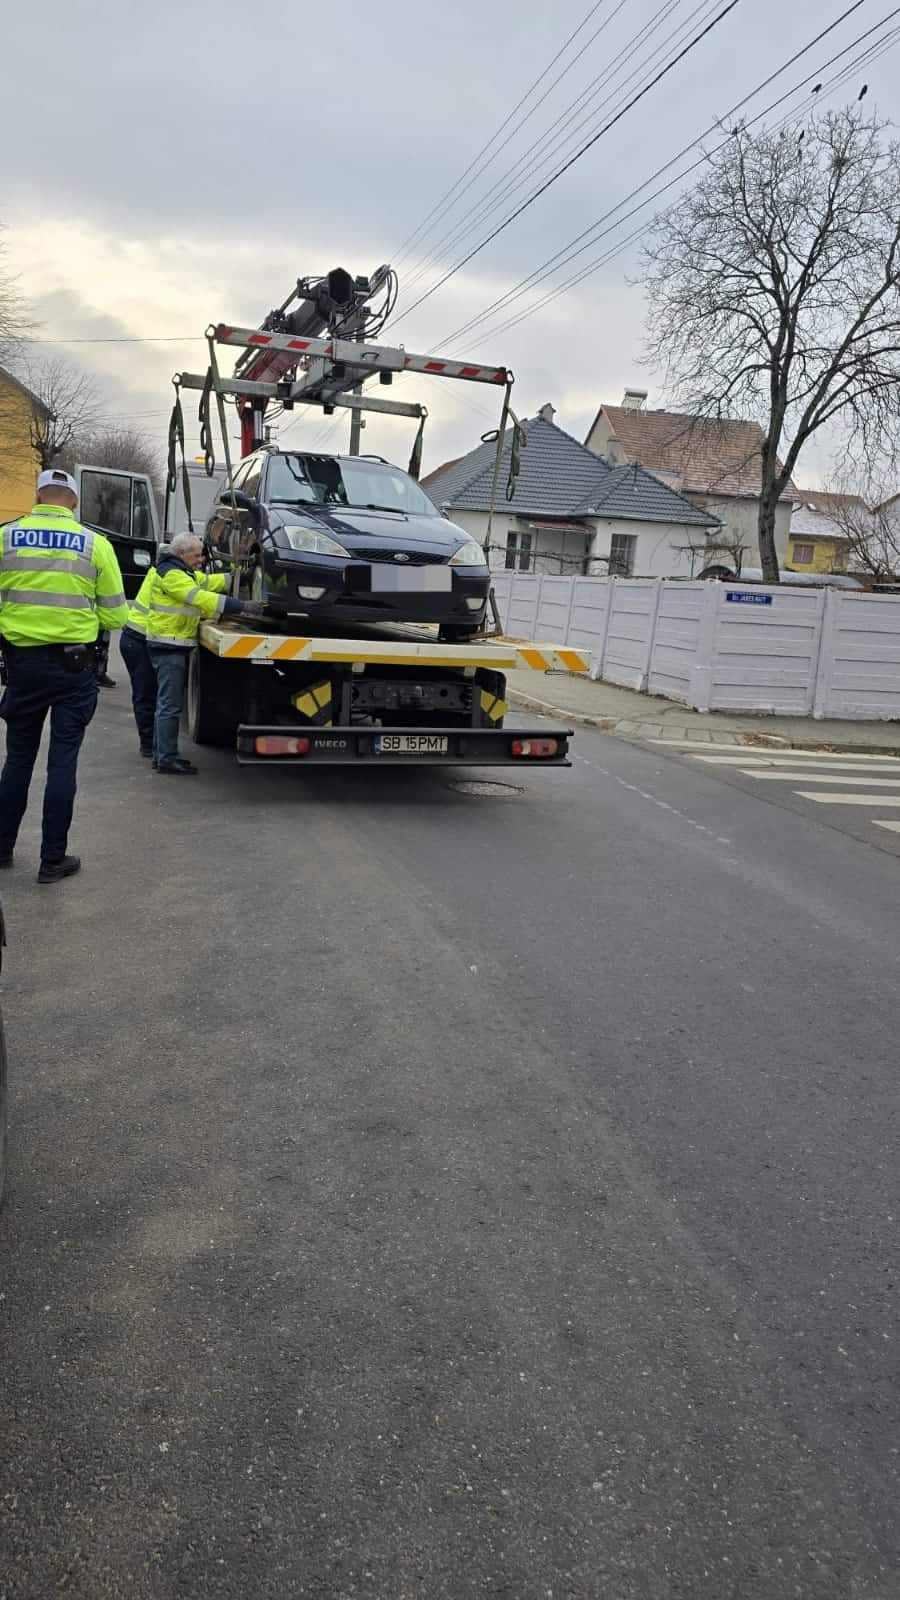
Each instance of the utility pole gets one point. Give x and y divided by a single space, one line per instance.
357 423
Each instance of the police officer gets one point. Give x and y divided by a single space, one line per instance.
59 584
181 597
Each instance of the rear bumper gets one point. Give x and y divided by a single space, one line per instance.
440 747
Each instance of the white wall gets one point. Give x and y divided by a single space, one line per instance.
739 517
722 646
658 553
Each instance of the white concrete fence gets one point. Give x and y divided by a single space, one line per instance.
721 646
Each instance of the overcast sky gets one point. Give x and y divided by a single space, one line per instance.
175 165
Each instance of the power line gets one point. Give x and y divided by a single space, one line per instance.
509 183
169 338
501 227
871 53
568 252
411 238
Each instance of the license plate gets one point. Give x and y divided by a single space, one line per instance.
411 580
411 744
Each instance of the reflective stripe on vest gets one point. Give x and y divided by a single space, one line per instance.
80 567
175 611
42 597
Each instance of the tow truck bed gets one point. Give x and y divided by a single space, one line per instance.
385 696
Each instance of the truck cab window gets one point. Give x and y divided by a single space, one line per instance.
105 501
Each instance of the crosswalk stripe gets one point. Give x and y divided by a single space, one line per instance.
765 753
850 799
809 763
818 777
880 823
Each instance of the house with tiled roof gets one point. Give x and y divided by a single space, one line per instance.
571 513
715 463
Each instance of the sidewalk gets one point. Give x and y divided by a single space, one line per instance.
642 716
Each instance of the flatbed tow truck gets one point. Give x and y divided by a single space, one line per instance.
391 697
387 696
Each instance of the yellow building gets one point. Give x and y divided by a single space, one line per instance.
816 542
19 464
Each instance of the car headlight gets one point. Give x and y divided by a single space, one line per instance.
313 542
469 554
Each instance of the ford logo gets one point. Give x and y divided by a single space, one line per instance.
400 555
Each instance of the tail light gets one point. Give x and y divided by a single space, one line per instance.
535 747
276 744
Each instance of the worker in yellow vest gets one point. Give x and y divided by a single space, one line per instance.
59 585
180 599
136 656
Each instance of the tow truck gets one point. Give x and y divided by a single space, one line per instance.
388 696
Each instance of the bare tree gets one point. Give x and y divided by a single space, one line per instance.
15 323
867 517
125 448
68 405
774 291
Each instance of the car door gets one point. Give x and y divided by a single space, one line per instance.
121 505
220 529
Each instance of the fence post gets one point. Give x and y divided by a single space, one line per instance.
700 680
651 634
825 656
607 620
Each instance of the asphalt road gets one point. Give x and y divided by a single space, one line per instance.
422 1194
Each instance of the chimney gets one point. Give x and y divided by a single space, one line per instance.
634 399
547 412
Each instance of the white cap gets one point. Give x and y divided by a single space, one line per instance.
55 478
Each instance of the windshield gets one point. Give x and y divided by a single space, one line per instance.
355 482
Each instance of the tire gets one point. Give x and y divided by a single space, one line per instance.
454 633
213 700
3 1109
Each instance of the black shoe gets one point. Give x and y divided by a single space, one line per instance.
178 768
148 752
7 860
106 682
52 871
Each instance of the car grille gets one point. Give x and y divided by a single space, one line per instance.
414 558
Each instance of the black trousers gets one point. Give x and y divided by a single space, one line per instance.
136 657
37 682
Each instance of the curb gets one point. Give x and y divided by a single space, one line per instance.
752 738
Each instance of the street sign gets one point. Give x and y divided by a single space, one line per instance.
749 599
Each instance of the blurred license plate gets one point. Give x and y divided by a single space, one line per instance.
410 744
411 580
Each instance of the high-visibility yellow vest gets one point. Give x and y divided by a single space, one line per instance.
179 601
59 582
216 582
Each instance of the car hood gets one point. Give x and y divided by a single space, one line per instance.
359 529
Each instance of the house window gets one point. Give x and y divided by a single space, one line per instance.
518 551
803 554
622 547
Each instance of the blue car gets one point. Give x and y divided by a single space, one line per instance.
348 539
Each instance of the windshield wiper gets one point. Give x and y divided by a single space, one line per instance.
369 505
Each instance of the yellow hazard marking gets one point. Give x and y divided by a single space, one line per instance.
491 706
305 704
289 649
245 645
534 658
322 692
572 660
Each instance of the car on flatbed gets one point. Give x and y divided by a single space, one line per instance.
332 539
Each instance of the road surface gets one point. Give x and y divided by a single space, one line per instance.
425 1193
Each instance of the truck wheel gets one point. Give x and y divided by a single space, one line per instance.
2 1111
213 699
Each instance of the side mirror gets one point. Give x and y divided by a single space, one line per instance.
244 502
